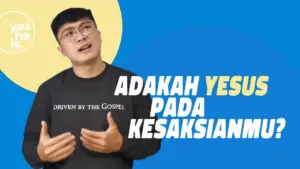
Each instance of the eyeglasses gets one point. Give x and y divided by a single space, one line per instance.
84 28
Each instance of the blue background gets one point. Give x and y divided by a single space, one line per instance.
200 38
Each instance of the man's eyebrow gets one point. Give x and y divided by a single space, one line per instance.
65 29
85 22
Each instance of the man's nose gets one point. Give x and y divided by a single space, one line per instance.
81 37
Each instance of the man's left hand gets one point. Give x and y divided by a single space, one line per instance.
105 141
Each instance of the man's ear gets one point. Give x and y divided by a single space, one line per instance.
60 50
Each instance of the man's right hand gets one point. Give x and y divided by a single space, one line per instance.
57 148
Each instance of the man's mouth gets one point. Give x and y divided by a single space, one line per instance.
85 47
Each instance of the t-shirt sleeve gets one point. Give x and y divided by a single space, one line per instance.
38 112
134 148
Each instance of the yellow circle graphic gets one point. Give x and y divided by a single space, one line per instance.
28 49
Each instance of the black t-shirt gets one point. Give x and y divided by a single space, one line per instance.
60 100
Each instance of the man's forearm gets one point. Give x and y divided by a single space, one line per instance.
137 149
29 149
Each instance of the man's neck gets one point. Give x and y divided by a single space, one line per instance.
89 70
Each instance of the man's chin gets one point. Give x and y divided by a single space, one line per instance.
84 60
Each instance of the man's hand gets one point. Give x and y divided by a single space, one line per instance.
57 148
105 142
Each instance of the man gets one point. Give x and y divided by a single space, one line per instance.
76 122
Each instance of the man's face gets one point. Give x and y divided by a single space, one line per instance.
80 41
